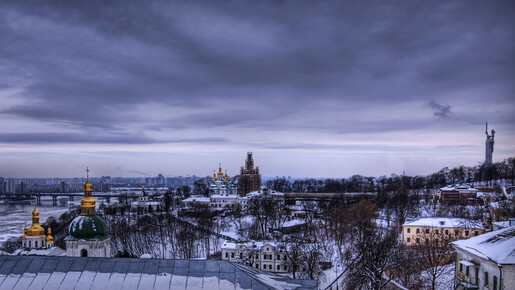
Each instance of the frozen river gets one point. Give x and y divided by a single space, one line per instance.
14 215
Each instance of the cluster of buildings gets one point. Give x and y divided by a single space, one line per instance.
88 234
89 237
469 195
224 193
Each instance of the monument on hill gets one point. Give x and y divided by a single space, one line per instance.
489 146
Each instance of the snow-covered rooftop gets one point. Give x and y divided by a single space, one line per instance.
445 222
53 251
498 246
294 222
458 187
197 199
255 245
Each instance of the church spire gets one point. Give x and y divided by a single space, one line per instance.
87 205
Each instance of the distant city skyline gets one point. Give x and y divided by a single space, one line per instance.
329 89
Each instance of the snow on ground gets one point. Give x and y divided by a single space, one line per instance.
444 282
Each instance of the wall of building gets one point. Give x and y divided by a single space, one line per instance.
412 235
93 248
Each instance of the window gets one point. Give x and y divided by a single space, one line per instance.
466 233
418 241
486 279
257 266
241 255
285 268
36 242
226 255
278 257
278 267
408 240
476 233
446 232
427 231
408 230
437 231
456 232
418 231
495 283
232 255
461 268
467 271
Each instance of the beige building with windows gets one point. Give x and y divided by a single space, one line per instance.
260 255
417 231
487 261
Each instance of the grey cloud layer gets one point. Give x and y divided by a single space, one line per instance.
82 63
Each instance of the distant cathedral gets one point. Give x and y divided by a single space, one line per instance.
221 185
89 236
249 178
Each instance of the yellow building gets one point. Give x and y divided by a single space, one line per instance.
450 229
34 237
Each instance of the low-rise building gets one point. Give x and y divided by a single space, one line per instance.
458 193
486 261
261 255
417 231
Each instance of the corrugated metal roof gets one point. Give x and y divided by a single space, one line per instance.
40 272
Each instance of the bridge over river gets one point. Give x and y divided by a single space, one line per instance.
70 195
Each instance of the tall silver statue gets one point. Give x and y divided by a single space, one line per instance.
489 146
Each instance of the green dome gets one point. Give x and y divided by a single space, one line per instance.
88 228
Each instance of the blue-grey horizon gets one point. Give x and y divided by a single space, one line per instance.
326 89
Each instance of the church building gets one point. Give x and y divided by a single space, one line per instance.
249 179
89 236
34 237
221 185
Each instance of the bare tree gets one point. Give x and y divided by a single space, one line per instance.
377 252
433 254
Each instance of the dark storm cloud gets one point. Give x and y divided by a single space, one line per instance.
440 111
86 64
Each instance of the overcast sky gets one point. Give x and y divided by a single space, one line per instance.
325 89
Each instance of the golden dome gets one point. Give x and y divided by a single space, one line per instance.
220 170
49 238
35 230
87 204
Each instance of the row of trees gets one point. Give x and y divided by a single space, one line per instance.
504 170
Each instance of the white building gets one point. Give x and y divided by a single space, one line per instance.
229 200
145 203
261 255
486 261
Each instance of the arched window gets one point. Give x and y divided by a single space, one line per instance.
83 253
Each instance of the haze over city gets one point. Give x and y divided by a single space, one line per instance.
331 90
